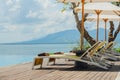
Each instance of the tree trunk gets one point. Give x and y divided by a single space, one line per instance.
117 31
112 34
79 25
86 34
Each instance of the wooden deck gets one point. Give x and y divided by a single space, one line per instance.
63 70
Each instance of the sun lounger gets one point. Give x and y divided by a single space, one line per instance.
101 57
39 61
94 55
109 49
87 57
106 52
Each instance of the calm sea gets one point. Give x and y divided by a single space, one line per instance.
15 54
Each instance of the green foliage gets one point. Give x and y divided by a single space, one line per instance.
116 3
117 49
66 7
85 47
76 48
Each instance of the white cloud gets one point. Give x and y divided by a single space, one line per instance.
13 5
45 3
9 2
31 14
13 37
11 27
15 8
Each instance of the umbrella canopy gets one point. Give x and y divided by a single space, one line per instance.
100 8
104 18
101 17
103 7
89 0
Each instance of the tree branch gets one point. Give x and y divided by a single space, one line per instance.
117 31
110 37
79 25
75 14
86 34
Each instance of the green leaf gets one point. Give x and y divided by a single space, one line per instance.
64 9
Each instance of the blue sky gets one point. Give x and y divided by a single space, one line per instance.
22 20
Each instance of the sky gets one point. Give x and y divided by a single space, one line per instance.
22 20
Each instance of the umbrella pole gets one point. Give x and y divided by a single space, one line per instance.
98 15
82 28
105 20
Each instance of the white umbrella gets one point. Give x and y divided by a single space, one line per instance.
100 8
89 0
109 17
103 7
83 1
105 18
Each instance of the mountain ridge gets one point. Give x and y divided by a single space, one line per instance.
67 36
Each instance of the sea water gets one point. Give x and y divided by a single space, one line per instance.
22 53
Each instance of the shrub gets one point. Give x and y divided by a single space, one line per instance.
117 49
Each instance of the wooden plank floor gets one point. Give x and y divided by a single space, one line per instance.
63 70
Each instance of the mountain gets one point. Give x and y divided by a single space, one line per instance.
68 36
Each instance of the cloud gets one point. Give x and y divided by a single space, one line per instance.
13 5
30 19
15 8
46 3
9 2
31 14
